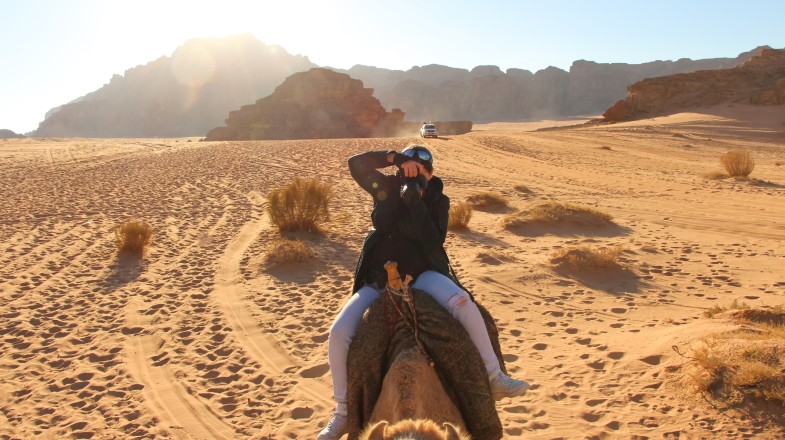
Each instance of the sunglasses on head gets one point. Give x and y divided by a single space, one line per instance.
421 154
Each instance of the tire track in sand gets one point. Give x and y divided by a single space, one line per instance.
230 295
185 416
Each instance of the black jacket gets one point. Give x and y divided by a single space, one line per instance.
425 220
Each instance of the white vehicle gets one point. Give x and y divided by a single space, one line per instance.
428 130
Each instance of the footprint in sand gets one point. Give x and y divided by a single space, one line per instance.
594 402
315 371
302 413
652 360
591 417
517 409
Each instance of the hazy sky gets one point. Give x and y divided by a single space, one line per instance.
53 51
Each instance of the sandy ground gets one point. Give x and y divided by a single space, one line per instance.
202 341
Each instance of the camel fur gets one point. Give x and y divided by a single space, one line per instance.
379 349
413 430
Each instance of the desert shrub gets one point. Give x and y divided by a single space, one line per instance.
711 368
567 212
588 258
287 251
744 363
460 214
133 237
737 163
302 205
717 309
488 200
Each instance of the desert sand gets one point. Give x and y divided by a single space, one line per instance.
202 340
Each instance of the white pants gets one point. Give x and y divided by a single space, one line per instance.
442 289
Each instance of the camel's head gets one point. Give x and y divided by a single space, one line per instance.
413 430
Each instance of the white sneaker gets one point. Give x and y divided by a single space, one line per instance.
336 428
505 386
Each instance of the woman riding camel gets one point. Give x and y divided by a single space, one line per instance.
410 217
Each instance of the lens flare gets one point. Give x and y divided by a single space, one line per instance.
193 66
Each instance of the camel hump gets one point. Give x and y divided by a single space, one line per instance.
422 429
412 389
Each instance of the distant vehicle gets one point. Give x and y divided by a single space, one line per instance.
428 130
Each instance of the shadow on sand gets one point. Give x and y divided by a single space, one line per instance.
538 229
329 251
479 238
617 280
126 268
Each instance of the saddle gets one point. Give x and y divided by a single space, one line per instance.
385 335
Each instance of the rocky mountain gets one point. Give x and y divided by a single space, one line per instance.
185 94
192 91
317 104
486 93
759 81
8 134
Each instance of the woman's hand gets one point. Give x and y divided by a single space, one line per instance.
412 168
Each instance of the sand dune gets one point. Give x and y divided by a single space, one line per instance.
202 340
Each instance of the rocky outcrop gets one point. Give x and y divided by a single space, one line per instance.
759 81
8 134
182 95
487 94
193 90
318 104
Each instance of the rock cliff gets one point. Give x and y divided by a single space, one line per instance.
318 104
182 95
759 81
8 134
193 90
487 94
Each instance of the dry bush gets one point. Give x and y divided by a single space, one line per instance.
715 175
711 368
744 363
717 309
460 214
554 213
133 237
287 251
778 163
488 200
588 258
302 205
737 163
605 147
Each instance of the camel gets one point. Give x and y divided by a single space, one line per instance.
392 379
413 430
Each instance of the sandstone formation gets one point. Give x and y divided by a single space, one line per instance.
318 104
487 94
193 90
8 134
182 95
759 81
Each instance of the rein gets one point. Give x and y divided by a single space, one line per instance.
400 289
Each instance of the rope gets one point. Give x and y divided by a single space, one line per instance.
406 295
